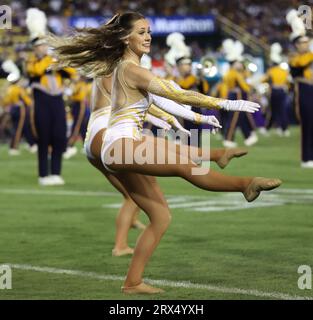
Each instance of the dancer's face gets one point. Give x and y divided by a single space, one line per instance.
139 40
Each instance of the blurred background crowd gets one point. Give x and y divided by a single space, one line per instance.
212 64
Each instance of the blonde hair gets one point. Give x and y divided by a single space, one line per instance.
95 51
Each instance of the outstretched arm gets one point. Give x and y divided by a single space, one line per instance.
168 118
178 110
143 79
158 122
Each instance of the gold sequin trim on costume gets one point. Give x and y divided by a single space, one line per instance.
165 89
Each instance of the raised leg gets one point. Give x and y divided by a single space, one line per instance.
171 166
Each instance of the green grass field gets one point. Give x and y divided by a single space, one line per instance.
217 247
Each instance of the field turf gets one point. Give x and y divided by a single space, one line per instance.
217 246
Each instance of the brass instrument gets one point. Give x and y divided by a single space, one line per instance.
207 67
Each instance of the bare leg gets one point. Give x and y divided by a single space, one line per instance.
123 223
136 223
224 155
221 156
211 181
147 194
127 213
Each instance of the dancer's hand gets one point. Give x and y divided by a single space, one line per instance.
239 105
158 122
178 126
211 120
164 125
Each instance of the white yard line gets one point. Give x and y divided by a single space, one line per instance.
165 283
303 191
52 191
225 201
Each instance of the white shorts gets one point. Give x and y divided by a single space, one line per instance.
98 120
113 134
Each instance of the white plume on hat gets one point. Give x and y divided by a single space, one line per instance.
146 62
36 22
178 48
296 23
275 54
11 68
233 50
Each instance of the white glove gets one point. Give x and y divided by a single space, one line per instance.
178 126
211 120
240 105
157 122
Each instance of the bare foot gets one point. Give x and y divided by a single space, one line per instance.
260 184
223 161
141 288
138 225
122 252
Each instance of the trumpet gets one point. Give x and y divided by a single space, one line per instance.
207 67
249 65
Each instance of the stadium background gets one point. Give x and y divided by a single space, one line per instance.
217 247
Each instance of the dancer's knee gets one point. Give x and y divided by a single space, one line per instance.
163 222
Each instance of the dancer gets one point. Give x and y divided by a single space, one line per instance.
118 46
101 109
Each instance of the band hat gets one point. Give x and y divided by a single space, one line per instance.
36 22
183 60
178 48
13 71
275 55
146 62
38 41
301 38
233 50
296 24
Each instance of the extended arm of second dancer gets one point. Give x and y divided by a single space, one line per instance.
140 78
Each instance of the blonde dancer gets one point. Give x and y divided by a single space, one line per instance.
101 109
118 46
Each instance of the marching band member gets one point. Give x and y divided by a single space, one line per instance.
278 79
237 88
300 64
179 56
78 107
188 81
19 102
49 109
